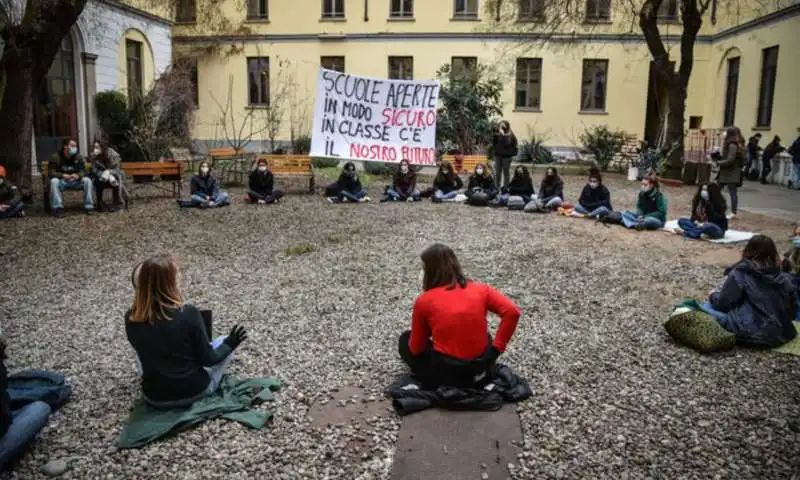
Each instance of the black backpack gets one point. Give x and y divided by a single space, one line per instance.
479 198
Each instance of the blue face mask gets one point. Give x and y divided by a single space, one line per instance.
796 242
73 151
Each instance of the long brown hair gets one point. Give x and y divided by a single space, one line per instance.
733 135
451 172
156 289
762 251
441 268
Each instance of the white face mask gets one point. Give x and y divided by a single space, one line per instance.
404 169
479 171
594 184
262 168
704 195
204 171
97 151
647 188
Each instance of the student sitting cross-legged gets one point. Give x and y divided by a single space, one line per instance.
708 214
521 185
757 301
651 208
178 364
551 193
446 184
449 342
205 190
67 171
260 186
11 204
348 187
404 185
480 187
595 199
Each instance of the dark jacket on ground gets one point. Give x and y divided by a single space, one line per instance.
703 211
9 194
770 151
173 354
521 185
593 198
208 185
504 146
652 204
484 182
760 303
547 191
409 395
60 164
441 182
261 183
730 167
346 183
405 184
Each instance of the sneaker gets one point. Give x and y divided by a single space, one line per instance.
730 216
678 231
331 200
262 202
58 212
21 214
365 199
410 200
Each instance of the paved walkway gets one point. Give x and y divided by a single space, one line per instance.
773 200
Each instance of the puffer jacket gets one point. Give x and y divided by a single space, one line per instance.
760 304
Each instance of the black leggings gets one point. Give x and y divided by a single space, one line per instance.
255 196
434 368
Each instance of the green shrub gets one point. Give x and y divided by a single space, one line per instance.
301 145
378 168
533 151
603 143
322 162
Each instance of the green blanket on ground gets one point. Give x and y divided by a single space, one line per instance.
233 400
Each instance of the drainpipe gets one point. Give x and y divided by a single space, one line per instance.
713 12
366 10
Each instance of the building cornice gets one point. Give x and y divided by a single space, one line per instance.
136 12
465 36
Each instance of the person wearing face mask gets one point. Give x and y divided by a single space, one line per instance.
521 185
348 187
67 171
504 148
551 193
260 186
446 184
205 190
404 185
11 204
730 167
107 174
595 199
708 214
651 208
480 187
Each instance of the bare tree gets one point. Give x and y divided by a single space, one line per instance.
547 20
238 129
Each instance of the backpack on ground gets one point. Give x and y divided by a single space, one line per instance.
516 202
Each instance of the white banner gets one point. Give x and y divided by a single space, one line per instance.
371 119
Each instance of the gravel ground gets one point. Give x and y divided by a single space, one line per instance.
614 398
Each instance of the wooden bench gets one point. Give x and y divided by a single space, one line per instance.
166 171
229 161
467 163
291 166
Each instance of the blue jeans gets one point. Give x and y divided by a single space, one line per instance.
220 200
58 185
733 189
439 195
692 230
796 176
215 372
721 317
13 210
596 213
353 197
26 422
630 220
395 196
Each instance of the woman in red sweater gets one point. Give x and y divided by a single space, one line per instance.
449 341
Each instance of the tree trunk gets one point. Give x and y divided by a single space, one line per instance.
674 140
16 121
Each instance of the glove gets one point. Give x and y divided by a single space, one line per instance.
236 337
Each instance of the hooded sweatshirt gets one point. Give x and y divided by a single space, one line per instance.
208 185
405 184
594 198
521 185
261 182
552 189
760 304
652 204
346 183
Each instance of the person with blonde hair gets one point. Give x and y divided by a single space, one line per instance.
178 364
480 187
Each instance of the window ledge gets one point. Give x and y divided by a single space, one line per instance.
333 19
257 107
257 20
401 19
765 128
667 21
597 21
465 19
527 110
592 112
185 22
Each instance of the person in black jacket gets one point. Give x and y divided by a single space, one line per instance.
446 183
521 185
595 199
205 190
504 148
481 182
11 204
752 152
551 193
771 151
179 366
348 187
404 185
260 186
708 218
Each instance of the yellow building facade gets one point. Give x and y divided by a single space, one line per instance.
257 62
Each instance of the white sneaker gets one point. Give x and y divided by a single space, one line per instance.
363 200
730 216
331 200
262 202
410 200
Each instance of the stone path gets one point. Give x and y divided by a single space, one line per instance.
772 200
